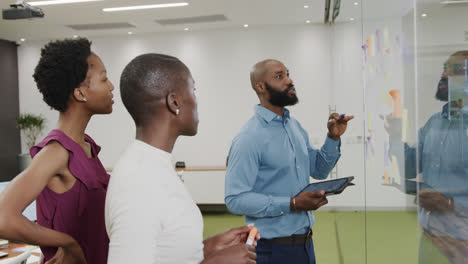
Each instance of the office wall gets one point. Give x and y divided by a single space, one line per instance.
220 62
9 134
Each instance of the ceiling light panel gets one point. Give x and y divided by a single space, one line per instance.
192 20
59 2
101 26
128 8
454 2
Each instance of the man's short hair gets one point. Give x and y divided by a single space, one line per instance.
62 68
258 71
147 80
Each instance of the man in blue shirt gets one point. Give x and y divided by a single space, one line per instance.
441 157
270 162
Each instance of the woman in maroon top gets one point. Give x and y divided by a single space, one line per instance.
65 176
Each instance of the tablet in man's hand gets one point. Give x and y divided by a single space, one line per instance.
335 186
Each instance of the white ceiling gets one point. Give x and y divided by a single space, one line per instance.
256 13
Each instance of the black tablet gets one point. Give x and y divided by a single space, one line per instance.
411 186
330 187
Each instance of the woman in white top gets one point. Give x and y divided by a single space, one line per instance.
150 216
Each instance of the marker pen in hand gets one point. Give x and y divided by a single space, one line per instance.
340 116
252 234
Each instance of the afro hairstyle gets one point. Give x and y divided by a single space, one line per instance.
62 68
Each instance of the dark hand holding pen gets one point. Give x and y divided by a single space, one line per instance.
337 125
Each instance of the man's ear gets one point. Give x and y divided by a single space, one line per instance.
173 103
260 87
79 94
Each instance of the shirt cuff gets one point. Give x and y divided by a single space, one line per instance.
332 146
283 203
459 208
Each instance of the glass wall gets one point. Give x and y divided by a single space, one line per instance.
409 61
441 160
346 212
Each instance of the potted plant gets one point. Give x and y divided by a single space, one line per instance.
31 126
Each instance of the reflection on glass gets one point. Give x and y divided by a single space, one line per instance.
441 159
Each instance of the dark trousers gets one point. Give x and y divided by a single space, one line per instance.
269 252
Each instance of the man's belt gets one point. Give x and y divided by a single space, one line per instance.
292 240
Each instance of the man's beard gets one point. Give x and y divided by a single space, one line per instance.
442 90
281 99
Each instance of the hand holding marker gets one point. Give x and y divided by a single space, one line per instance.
253 236
337 125
341 117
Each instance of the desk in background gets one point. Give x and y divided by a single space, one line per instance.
12 254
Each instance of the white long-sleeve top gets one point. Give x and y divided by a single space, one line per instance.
150 216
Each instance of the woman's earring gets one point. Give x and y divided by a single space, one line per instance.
177 111
84 99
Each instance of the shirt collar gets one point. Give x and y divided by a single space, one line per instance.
268 115
166 156
445 112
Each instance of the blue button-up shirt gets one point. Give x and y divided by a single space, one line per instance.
443 161
270 161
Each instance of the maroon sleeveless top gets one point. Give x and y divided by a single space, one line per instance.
78 212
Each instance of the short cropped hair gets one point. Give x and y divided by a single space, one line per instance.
147 80
62 68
